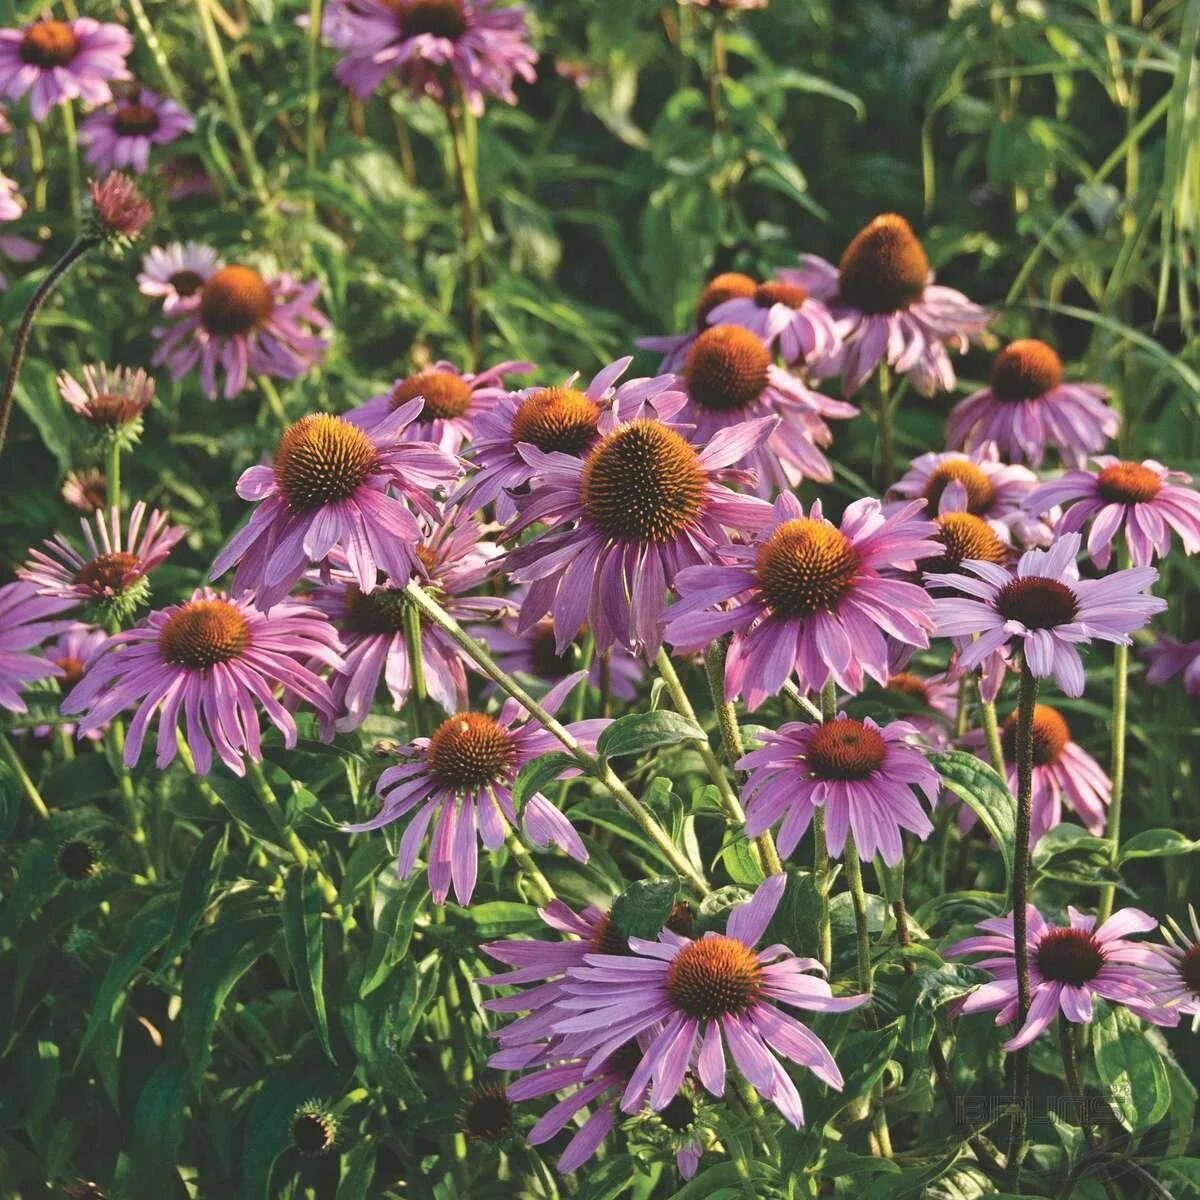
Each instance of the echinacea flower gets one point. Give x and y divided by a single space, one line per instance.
25 623
463 774
810 598
16 249
729 285
1169 657
120 136
487 1115
72 652
861 774
1145 497
186 175
237 322
1068 966
455 559
729 378
641 505
109 398
119 210
935 701
177 272
334 486
454 402
86 490
11 204
782 313
59 61
212 661
433 47
888 309
1028 408
114 565
1063 771
691 999
1044 609
1176 979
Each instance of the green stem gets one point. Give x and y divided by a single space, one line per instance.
1070 1059
858 897
146 29
886 469
800 700
991 733
274 400
129 799
1120 703
37 166
468 215
821 873
114 473
72 150
718 70
541 885
601 771
312 100
10 756
416 662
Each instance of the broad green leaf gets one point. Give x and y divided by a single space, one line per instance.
639 732
393 932
158 1126
304 940
978 785
195 891
537 774
927 991
358 1169
1131 1068
1158 843
642 909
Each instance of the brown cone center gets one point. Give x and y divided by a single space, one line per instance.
204 633
322 459
1051 736
845 749
731 285
235 300
49 44
964 536
805 566
1037 603
1069 956
1025 370
106 572
715 977
446 394
133 120
726 368
469 750
437 18
979 488
559 419
884 268
1128 483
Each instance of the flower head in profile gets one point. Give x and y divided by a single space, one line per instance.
691 999
930 704
785 317
1043 609
27 619
1177 978
459 780
433 48
1068 967
86 490
72 653
112 568
454 402
119 210
729 377
1028 408
455 559
1144 498
175 273
860 774
110 399
58 61
1168 657
334 486
729 285
889 310
810 598
120 136
213 662
641 505
239 321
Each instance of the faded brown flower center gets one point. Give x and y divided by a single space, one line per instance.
204 633
964 536
979 488
313 1133
1189 968
113 409
715 977
805 566
321 459
106 572
72 671
1069 956
726 368
134 120
49 44
446 394
884 268
488 1114
235 300
908 684
845 749
1051 736
1128 483
469 750
774 292
1037 603
1025 370
186 283
556 418
438 18
77 859
374 613
730 285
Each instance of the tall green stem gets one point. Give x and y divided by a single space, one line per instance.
858 897
1120 702
991 734
538 881
1070 1059
114 473
150 38
468 195
9 754
312 99
718 70
72 152
821 850
886 469
129 798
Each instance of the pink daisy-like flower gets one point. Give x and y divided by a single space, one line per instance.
177 272
810 598
643 504
729 285
1028 407
463 775
238 322
119 208
781 312
11 204
25 623
455 559
112 563
86 490
729 378
121 135
888 309
690 999
1147 498
58 61
1062 771
72 652
213 661
936 701
108 398
186 175
1176 980
1169 657
16 249
335 486
433 47
1044 609
1068 966
861 774
980 484
454 402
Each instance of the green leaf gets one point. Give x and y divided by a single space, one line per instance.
642 909
393 933
535 775
928 991
304 940
195 891
1158 843
358 1169
37 397
158 1124
1131 1068
978 785
639 732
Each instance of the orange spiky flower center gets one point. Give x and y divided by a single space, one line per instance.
727 368
981 492
884 268
1051 736
203 633
1037 603
845 749
776 292
235 300
964 536
805 566
48 44
559 419
106 572
446 394
715 977
470 750
730 285
321 459
1128 483
1025 370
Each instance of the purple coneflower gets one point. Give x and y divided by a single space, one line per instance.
1147 498
175 273
1044 609
936 699
1177 978
810 598
25 623
58 61
121 135
642 504
861 774
86 490
16 249
334 486
213 661
432 47
454 402
1169 657
186 175
729 285
11 203
1028 407
72 652
729 378
113 566
1068 966
888 309
782 312
692 998
463 775
455 559
109 398
238 322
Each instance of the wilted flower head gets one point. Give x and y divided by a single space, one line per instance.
119 209
120 136
487 1113
110 398
86 490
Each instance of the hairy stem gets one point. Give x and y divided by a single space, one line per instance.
9 754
